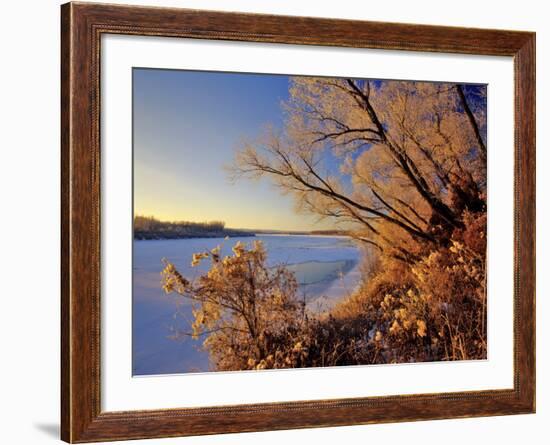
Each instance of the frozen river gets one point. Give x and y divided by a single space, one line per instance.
326 267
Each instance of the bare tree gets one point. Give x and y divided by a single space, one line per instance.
398 162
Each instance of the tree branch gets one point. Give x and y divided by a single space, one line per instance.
472 120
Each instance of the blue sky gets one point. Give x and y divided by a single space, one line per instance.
187 126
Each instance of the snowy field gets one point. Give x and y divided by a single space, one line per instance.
327 269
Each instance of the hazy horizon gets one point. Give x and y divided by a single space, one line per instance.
232 227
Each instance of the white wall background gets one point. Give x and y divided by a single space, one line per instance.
29 191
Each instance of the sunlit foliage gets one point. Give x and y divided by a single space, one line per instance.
241 306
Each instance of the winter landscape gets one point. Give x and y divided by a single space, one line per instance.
290 222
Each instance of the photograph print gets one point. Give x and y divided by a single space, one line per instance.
295 222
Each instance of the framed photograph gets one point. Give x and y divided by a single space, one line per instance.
275 222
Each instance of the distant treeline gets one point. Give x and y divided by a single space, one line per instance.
329 232
148 227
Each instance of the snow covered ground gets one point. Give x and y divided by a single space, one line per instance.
326 267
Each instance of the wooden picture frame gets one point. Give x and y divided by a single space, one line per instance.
82 25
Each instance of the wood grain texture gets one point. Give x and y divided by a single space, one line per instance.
81 28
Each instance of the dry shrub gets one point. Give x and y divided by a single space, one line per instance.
242 308
434 309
